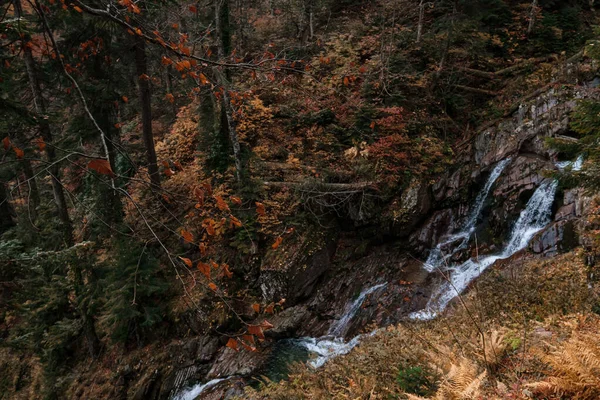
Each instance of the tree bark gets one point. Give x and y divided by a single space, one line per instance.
46 133
421 18
532 16
223 41
145 100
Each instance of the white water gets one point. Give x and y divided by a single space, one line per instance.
438 256
535 216
333 344
195 391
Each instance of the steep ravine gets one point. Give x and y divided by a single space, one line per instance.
500 204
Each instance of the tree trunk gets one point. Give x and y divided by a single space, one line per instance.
46 133
532 16
7 212
224 41
421 18
145 99
33 196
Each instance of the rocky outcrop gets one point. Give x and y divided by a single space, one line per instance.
294 272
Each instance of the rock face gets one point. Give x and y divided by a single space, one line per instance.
294 273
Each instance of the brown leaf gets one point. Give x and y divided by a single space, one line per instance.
236 200
170 98
232 344
6 143
205 269
187 261
260 209
187 236
234 222
278 241
169 172
202 247
209 225
256 330
125 99
193 9
256 307
227 271
101 167
199 193
221 203
178 166
207 186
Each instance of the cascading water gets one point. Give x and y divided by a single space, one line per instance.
332 345
535 216
195 391
439 255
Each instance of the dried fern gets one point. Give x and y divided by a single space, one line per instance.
575 368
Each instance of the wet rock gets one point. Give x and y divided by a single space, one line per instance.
433 229
224 390
287 322
558 237
241 363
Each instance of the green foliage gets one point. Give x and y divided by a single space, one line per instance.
136 294
416 380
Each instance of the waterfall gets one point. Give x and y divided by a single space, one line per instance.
195 391
333 344
535 216
438 255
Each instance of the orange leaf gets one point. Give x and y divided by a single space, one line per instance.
260 209
248 347
202 247
6 143
209 225
269 308
166 61
256 307
278 241
221 204
204 268
346 81
78 9
175 26
212 286
40 143
187 236
187 261
203 79
101 167
20 153
372 126
256 330
236 200
248 338
125 99
227 271
233 221
170 98
138 31
232 344
266 325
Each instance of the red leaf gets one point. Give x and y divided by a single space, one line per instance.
204 268
187 261
6 143
278 241
269 308
40 143
256 330
260 209
193 9
20 153
232 344
101 167
266 325
187 236
256 307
